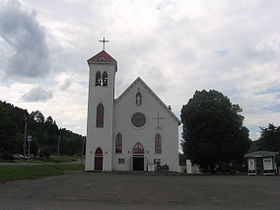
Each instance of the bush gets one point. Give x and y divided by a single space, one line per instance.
45 152
7 156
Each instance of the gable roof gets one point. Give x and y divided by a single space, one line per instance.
153 95
102 57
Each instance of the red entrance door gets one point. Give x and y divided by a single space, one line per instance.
98 160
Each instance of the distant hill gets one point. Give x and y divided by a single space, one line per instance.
44 131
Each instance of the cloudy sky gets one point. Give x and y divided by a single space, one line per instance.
175 46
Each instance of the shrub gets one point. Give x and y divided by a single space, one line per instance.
7 156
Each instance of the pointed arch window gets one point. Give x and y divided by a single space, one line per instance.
105 79
158 144
98 79
98 152
138 99
118 143
138 149
100 116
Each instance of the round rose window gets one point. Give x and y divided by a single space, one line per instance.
138 119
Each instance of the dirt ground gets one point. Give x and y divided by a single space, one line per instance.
141 191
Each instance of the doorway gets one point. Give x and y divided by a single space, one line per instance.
138 157
138 163
98 160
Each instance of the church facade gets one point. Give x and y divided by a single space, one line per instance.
129 133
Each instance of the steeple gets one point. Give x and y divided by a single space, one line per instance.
103 68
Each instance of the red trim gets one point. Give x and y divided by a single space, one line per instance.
102 56
118 143
138 149
98 151
157 143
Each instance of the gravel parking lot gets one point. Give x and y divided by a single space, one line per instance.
141 191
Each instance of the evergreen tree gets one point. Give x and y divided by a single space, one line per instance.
270 139
38 116
45 133
7 131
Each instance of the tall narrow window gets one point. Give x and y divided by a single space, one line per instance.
100 116
119 143
138 99
105 78
157 143
98 79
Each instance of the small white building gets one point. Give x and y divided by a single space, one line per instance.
261 163
130 132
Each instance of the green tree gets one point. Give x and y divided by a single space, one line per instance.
44 132
38 116
7 131
45 152
213 133
270 139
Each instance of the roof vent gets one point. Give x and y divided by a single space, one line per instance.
101 59
169 107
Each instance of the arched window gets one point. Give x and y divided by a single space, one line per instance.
157 143
118 143
98 152
98 79
100 116
138 99
138 149
105 78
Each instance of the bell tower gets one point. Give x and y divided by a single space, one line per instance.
100 112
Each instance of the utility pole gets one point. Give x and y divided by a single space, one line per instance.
25 136
83 148
28 149
58 145
29 139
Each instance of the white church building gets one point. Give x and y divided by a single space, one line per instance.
131 132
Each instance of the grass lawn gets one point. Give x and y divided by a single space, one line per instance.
62 158
29 161
6 161
52 159
9 173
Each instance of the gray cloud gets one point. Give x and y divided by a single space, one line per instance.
37 94
26 36
177 47
221 52
67 83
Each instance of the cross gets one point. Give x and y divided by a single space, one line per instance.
158 118
104 41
